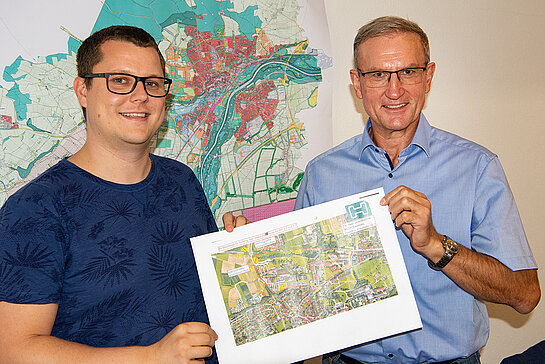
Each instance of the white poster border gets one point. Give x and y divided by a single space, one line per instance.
380 319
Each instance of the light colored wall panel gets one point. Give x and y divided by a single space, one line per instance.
489 87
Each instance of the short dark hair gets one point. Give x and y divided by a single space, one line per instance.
89 53
387 25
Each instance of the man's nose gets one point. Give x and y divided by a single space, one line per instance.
140 90
394 85
396 78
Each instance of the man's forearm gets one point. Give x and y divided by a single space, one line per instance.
488 279
40 349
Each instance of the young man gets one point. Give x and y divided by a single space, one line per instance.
473 250
95 260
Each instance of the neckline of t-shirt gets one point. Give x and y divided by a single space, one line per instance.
114 185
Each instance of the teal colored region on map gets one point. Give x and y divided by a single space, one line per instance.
247 21
187 18
24 172
295 68
59 56
299 69
33 127
221 131
12 69
146 14
129 13
153 16
20 101
209 14
164 143
209 19
73 45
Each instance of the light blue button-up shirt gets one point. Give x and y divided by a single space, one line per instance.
471 203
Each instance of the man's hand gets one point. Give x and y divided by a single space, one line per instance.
189 342
478 274
411 212
230 222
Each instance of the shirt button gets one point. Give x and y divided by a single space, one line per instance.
390 175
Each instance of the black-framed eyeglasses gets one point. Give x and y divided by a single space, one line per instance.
124 83
407 76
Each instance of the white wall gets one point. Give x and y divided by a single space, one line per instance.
489 87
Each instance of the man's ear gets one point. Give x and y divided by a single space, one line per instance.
430 71
355 77
80 88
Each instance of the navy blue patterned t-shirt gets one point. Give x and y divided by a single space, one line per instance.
115 258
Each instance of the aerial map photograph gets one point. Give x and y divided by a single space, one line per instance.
300 276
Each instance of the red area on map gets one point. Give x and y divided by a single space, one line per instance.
212 69
266 211
6 122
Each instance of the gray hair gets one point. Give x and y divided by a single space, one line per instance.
387 25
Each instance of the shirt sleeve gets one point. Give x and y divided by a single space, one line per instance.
31 240
496 227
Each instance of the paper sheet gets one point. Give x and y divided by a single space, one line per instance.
306 283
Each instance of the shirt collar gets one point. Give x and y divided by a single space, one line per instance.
421 138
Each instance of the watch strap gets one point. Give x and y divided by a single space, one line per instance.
451 249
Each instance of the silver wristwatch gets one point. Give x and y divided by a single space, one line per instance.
451 249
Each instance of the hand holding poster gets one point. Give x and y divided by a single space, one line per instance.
306 283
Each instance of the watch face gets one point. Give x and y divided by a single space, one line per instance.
450 245
451 249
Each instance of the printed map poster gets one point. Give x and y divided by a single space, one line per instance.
306 283
248 107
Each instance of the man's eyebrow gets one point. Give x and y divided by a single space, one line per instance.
131 73
395 69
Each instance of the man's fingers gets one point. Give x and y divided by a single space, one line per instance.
230 221
405 217
399 205
401 192
404 199
201 344
389 196
186 343
202 352
206 340
196 328
241 220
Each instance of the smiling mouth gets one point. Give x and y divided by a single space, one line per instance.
134 114
395 106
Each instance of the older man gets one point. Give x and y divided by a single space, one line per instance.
473 250
95 260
